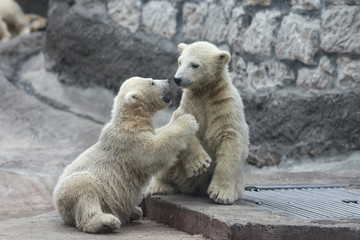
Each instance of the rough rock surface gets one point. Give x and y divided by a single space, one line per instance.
348 72
297 39
238 75
215 27
125 13
193 19
306 4
159 18
340 29
237 27
258 2
259 37
270 74
304 126
315 79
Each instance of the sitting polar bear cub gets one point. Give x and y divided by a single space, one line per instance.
213 162
101 189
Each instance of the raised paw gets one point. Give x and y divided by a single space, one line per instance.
221 195
197 166
159 188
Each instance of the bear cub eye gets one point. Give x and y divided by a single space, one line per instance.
152 83
194 65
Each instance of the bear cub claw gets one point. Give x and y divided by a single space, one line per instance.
199 165
220 194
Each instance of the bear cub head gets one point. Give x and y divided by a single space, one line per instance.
200 63
142 95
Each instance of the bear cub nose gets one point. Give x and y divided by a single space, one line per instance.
177 80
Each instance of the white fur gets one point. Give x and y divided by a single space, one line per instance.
101 189
223 134
12 20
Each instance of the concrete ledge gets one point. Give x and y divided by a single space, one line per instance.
199 215
49 226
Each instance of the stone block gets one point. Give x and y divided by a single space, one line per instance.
193 19
320 78
306 4
342 2
326 65
340 29
297 39
314 79
126 13
259 37
237 27
238 73
268 74
215 27
257 2
159 18
348 72
228 6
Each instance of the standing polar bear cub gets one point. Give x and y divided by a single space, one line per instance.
101 189
213 162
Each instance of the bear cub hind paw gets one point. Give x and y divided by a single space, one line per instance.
158 188
102 223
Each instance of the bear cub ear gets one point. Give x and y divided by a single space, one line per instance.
182 46
223 57
131 97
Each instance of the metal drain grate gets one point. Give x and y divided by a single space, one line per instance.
316 202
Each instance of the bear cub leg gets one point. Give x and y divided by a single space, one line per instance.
90 217
78 203
4 32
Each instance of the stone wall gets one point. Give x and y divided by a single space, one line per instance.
311 45
296 63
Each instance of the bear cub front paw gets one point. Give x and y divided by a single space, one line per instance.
199 163
221 194
157 187
188 123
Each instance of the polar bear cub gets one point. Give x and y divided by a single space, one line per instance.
213 162
12 20
101 189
